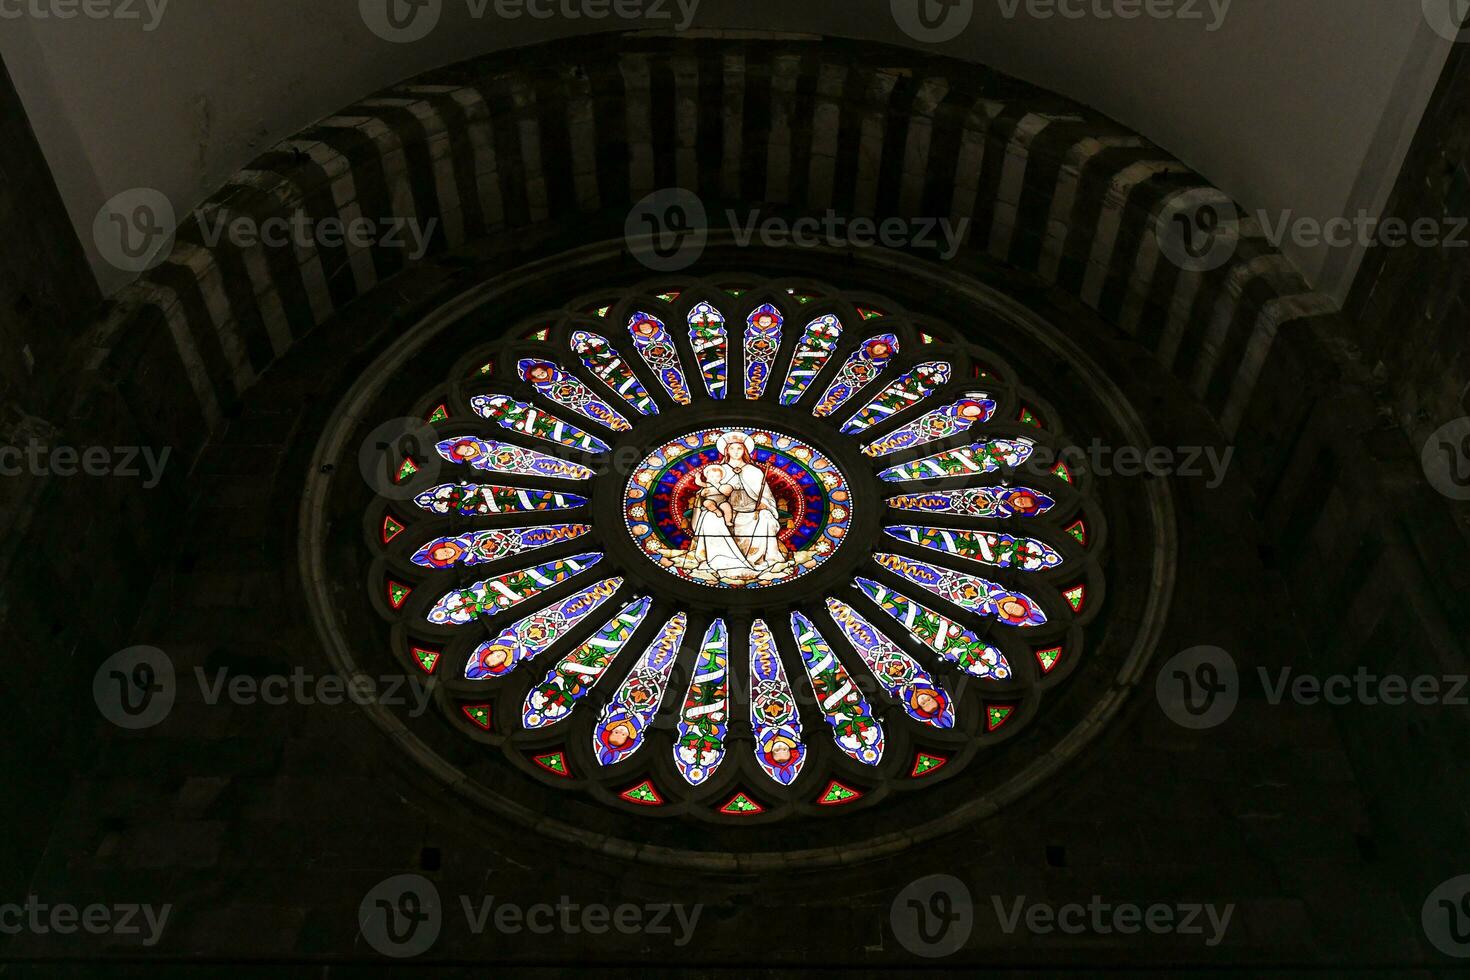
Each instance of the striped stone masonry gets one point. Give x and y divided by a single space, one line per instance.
564 132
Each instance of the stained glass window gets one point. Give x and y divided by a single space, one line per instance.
663 551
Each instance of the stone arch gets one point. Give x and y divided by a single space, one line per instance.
540 141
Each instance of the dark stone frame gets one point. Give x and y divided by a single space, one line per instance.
669 844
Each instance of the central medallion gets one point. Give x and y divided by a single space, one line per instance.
737 508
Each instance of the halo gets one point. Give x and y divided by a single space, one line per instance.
724 441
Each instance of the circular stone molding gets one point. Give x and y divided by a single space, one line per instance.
616 539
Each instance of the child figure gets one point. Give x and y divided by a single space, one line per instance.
715 549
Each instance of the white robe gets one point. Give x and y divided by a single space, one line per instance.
756 525
716 548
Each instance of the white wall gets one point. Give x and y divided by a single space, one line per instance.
1304 105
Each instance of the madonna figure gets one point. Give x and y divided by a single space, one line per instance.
756 526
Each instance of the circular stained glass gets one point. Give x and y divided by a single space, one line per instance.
621 543
738 509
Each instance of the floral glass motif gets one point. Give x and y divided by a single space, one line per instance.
941 634
492 456
655 345
981 457
575 674
625 719
483 547
493 595
553 383
528 638
941 423
904 392
968 591
708 337
598 354
726 503
779 748
858 371
699 737
986 547
737 509
923 698
855 729
762 344
482 499
813 351
529 420
977 502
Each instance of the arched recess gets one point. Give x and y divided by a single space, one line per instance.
555 142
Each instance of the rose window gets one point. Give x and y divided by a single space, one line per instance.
736 549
